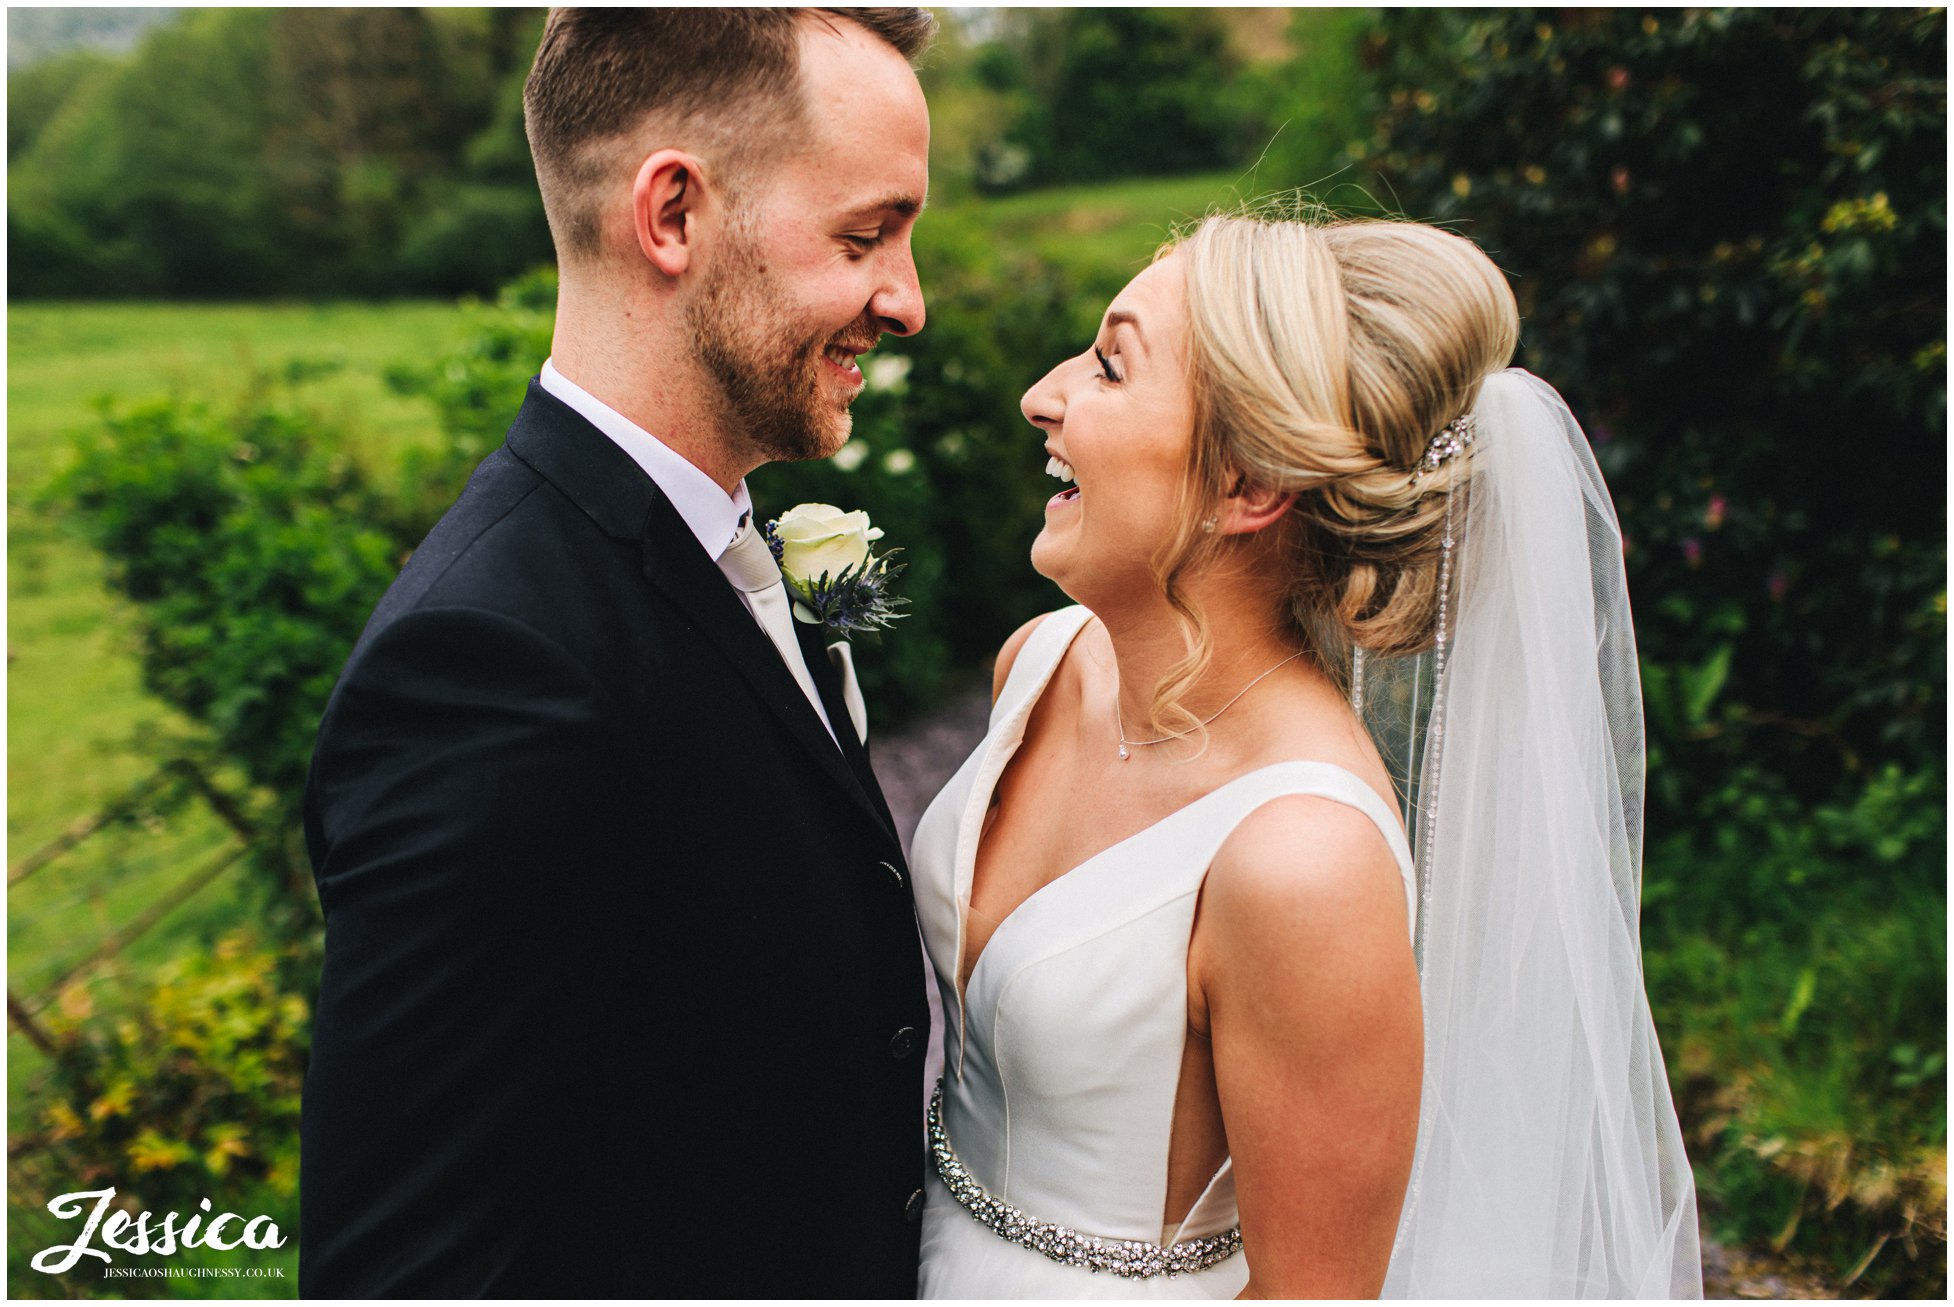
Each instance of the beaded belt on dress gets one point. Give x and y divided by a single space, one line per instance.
1128 1258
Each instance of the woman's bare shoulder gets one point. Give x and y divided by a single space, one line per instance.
1007 656
1301 877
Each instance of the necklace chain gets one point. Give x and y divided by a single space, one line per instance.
1120 721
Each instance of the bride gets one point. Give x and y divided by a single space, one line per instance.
1216 1024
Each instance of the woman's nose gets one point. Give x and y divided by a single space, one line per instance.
1042 405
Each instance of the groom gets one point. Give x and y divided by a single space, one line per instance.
622 992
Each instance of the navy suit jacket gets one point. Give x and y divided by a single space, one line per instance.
623 994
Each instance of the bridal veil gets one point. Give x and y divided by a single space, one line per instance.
1549 1162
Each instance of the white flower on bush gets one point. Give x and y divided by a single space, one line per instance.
820 539
888 372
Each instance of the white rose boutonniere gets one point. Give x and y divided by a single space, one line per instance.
837 580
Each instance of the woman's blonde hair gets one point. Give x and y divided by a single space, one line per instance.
1324 356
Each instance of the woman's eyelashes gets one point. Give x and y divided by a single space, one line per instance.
1105 367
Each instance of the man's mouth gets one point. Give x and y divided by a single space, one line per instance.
841 358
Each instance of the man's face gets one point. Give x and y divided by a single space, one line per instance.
815 264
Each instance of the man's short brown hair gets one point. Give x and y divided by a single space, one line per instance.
726 81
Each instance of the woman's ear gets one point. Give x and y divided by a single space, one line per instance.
1251 508
666 197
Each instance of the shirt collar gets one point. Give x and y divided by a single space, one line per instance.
712 514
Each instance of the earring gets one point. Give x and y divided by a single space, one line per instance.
1209 525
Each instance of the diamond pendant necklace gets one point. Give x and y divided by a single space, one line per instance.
1120 723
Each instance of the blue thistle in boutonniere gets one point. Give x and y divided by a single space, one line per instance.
836 579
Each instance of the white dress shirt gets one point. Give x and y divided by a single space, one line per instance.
712 515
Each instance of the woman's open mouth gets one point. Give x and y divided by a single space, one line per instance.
1058 467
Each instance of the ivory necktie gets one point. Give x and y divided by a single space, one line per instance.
748 563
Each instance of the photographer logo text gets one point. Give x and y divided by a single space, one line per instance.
137 1237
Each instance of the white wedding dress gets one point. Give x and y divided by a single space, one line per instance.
1062 1062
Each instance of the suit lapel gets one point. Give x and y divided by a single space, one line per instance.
814 649
610 487
676 564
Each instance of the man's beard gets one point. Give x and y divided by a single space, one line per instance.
768 374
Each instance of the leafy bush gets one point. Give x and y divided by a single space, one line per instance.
471 235
193 1095
1727 233
253 549
1726 230
1113 92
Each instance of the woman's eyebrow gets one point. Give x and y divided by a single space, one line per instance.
1126 318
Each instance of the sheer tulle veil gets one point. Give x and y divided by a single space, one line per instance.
1549 1162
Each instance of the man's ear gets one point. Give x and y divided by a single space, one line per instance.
666 198
1250 508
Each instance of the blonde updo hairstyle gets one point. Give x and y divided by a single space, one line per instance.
1324 356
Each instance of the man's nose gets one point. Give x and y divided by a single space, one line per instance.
898 304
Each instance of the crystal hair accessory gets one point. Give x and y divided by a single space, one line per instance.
1453 439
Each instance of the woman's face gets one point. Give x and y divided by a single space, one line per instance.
1118 417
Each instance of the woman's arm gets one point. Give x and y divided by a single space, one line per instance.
1303 962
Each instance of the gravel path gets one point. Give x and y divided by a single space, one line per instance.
913 763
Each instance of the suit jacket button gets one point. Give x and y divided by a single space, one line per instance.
912 1211
905 1043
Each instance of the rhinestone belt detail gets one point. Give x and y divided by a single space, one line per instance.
1128 1258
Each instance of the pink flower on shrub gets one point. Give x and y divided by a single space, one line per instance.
1618 179
1618 78
1713 515
1777 585
1693 552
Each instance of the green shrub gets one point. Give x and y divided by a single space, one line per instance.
471 237
1110 92
253 549
192 1095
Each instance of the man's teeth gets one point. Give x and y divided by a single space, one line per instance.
1058 467
840 357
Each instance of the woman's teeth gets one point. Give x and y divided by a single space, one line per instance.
1058 467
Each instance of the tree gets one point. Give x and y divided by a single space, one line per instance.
1116 92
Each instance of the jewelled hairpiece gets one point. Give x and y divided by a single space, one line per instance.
1453 439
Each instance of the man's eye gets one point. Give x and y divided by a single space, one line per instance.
1105 368
862 244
